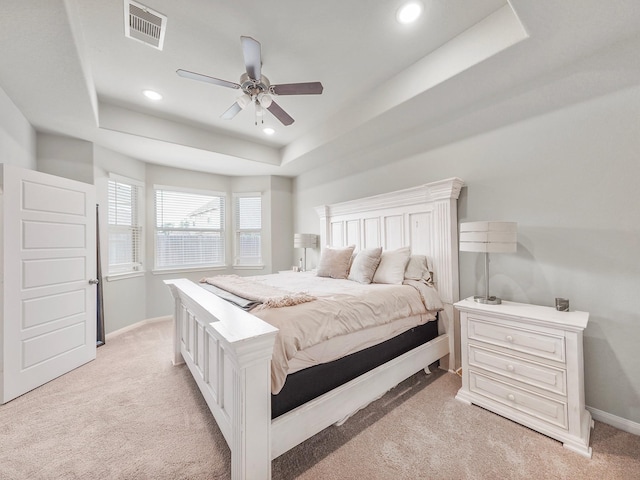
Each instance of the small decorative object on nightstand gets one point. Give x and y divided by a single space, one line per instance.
525 362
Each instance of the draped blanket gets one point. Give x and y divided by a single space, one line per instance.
266 296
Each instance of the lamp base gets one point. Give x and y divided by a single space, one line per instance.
487 300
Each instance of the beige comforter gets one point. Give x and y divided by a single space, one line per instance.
341 307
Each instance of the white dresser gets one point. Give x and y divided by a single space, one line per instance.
525 362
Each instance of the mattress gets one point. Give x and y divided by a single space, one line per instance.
310 383
342 317
344 345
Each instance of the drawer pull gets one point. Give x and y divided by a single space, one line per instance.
511 368
509 338
511 397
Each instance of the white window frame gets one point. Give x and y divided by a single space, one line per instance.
222 231
240 262
136 267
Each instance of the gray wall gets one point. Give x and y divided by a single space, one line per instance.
133 298
65 157
158 302
17 136
569 178
124 298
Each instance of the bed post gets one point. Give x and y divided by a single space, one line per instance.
177 328
229 355
444 195
251 421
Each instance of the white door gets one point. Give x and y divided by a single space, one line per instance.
49 305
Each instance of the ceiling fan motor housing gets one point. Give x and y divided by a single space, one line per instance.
254 87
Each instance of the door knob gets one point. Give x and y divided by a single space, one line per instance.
94 281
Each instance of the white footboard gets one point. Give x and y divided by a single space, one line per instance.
228 352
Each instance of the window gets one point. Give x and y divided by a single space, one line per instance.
189 229
248 224
125 231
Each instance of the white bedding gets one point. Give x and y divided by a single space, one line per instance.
346 317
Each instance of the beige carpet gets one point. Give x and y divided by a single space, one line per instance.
132 415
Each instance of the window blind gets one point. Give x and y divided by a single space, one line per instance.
189 229
125 231
248 221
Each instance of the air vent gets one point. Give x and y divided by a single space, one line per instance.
144 24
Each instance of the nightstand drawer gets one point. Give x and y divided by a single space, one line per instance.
542 376
534 343
537 406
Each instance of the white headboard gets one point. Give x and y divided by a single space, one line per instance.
424 218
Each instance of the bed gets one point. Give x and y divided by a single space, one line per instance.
229 350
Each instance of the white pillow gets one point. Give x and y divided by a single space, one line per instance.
417 268
334 262
364 266
392 265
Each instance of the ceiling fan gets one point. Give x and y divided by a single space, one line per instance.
256 87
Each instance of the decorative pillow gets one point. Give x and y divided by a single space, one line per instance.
418 268
334 262
392 265
364 266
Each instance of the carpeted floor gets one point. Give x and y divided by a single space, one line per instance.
132 415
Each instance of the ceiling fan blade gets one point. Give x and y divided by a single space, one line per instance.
280 114
206 78
232 111
252 57
309 88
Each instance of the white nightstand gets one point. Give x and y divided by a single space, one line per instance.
525 362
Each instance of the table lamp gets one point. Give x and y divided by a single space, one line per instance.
305 240
488 237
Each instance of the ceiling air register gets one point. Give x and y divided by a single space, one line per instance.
144 24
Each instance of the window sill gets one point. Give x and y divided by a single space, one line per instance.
123 276
248 267
171 271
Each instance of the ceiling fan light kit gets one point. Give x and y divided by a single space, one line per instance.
256 87
244 100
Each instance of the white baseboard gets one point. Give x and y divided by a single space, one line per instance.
128 328
614 421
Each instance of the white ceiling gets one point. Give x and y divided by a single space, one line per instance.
390 90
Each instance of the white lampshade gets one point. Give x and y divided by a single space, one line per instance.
305 240
488 237
244 101
265 99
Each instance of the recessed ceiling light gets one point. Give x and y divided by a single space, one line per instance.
151 95
409 12
268 131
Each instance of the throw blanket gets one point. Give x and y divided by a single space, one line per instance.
429 295
268 296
